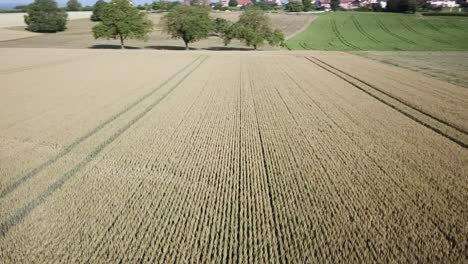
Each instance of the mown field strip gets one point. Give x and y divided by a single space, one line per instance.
67 149
439 126
20 214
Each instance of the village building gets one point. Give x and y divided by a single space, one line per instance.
444 3
239 2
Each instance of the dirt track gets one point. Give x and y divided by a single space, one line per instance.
215 156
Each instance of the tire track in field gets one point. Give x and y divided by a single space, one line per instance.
436 29
340 37
25 177
450 239
411 29
131 199
386 30
363 31
47 64
370 247
20 214
441 127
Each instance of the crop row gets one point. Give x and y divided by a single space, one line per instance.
254 158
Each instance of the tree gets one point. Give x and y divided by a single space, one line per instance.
307 5
73 5
217 6
165 5
401 6
233 3
98 10
221 24
254 28
123 21
264 5
294 6
190 23
334 4
21 7
44 16
463 4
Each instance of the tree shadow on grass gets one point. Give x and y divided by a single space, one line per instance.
159 47
110 46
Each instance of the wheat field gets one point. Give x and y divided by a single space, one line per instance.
166 156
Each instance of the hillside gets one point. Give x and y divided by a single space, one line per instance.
382 31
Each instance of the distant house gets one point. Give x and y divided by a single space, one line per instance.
346 4
443 3
201 2
383 3
239 2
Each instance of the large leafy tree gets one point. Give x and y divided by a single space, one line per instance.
98 10
254 28
73 5
190 23
45 16
123 21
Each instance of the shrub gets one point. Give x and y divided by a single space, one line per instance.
335 5
233 3
444 14
307 5
44 16
164 5
401 6
294 6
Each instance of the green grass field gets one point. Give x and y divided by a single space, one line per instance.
382 31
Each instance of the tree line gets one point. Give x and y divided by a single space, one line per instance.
120 20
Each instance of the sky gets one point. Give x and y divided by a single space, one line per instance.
12 3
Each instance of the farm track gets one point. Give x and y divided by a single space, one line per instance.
408 27
389 32
337 33
363 31
69 148
243 157
387 172
53 187
456 134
